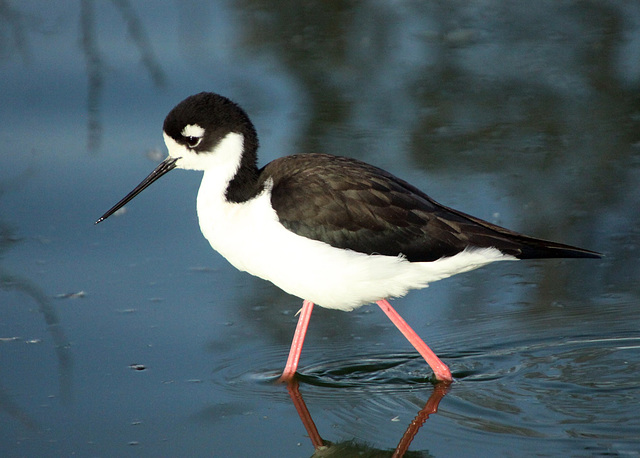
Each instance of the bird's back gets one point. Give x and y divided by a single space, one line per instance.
353 205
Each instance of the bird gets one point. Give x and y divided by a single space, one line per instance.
331 230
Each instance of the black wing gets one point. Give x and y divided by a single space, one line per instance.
353 205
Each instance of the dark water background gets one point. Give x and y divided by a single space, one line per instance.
134 338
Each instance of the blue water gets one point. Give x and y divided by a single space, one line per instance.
134 338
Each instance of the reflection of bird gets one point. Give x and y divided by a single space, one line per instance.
326 449
331 230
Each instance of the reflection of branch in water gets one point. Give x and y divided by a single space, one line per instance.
351 448
12 409
139 37
9 281
94 72
13 25
95 64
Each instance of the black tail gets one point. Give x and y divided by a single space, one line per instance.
478 232
532 248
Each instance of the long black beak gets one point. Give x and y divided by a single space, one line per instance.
165 166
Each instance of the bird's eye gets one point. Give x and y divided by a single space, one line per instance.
192 142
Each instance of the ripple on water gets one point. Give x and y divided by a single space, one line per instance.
380 372
554 388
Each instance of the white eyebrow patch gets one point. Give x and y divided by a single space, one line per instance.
192 130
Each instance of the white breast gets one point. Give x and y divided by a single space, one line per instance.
251 238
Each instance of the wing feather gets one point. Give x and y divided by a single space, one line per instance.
353 205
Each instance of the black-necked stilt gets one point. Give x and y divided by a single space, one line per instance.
331 230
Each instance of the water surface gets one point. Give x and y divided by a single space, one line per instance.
134 338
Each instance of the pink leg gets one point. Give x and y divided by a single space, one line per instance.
298 340
439 368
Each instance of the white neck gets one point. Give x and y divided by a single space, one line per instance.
221 166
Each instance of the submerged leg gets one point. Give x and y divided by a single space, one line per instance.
298 340
439 368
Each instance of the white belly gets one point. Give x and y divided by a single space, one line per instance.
251 238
